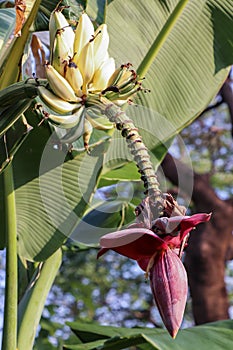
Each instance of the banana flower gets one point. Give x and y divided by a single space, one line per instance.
157 251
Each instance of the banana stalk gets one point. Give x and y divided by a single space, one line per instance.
98 120
32 303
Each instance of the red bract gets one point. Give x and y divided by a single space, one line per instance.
155 249
168 280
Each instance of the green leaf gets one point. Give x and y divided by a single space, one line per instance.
88 332
52 190
216 335
7 25
88 346
51 196
128 172
107 216
32 303
96 10
184 40
111 344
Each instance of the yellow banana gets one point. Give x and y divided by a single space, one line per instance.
60 85
67 121
83 34
57 22
74 78
86 65
56 103
101 42
103 74
62 51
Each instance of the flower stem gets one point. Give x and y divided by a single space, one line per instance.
137 148
11 289
161 38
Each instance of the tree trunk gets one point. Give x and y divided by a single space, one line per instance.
209 245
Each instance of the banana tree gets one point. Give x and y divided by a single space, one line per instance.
183 49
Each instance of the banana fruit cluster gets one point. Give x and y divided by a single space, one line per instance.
80 73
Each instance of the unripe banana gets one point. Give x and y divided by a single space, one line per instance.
122 96
67 121
58 21
62 51
74 133
126 77
74 78
115 77
60 85
86 64
101 42
56 103
83 34
130 88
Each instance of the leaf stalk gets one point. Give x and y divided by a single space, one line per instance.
9 339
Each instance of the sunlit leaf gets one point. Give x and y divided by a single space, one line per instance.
217 335
193 48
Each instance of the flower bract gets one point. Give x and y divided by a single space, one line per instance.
156 250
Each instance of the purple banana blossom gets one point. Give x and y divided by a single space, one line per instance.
157 250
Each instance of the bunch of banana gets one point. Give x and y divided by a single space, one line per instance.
80 72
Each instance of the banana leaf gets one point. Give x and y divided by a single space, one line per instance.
216 335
